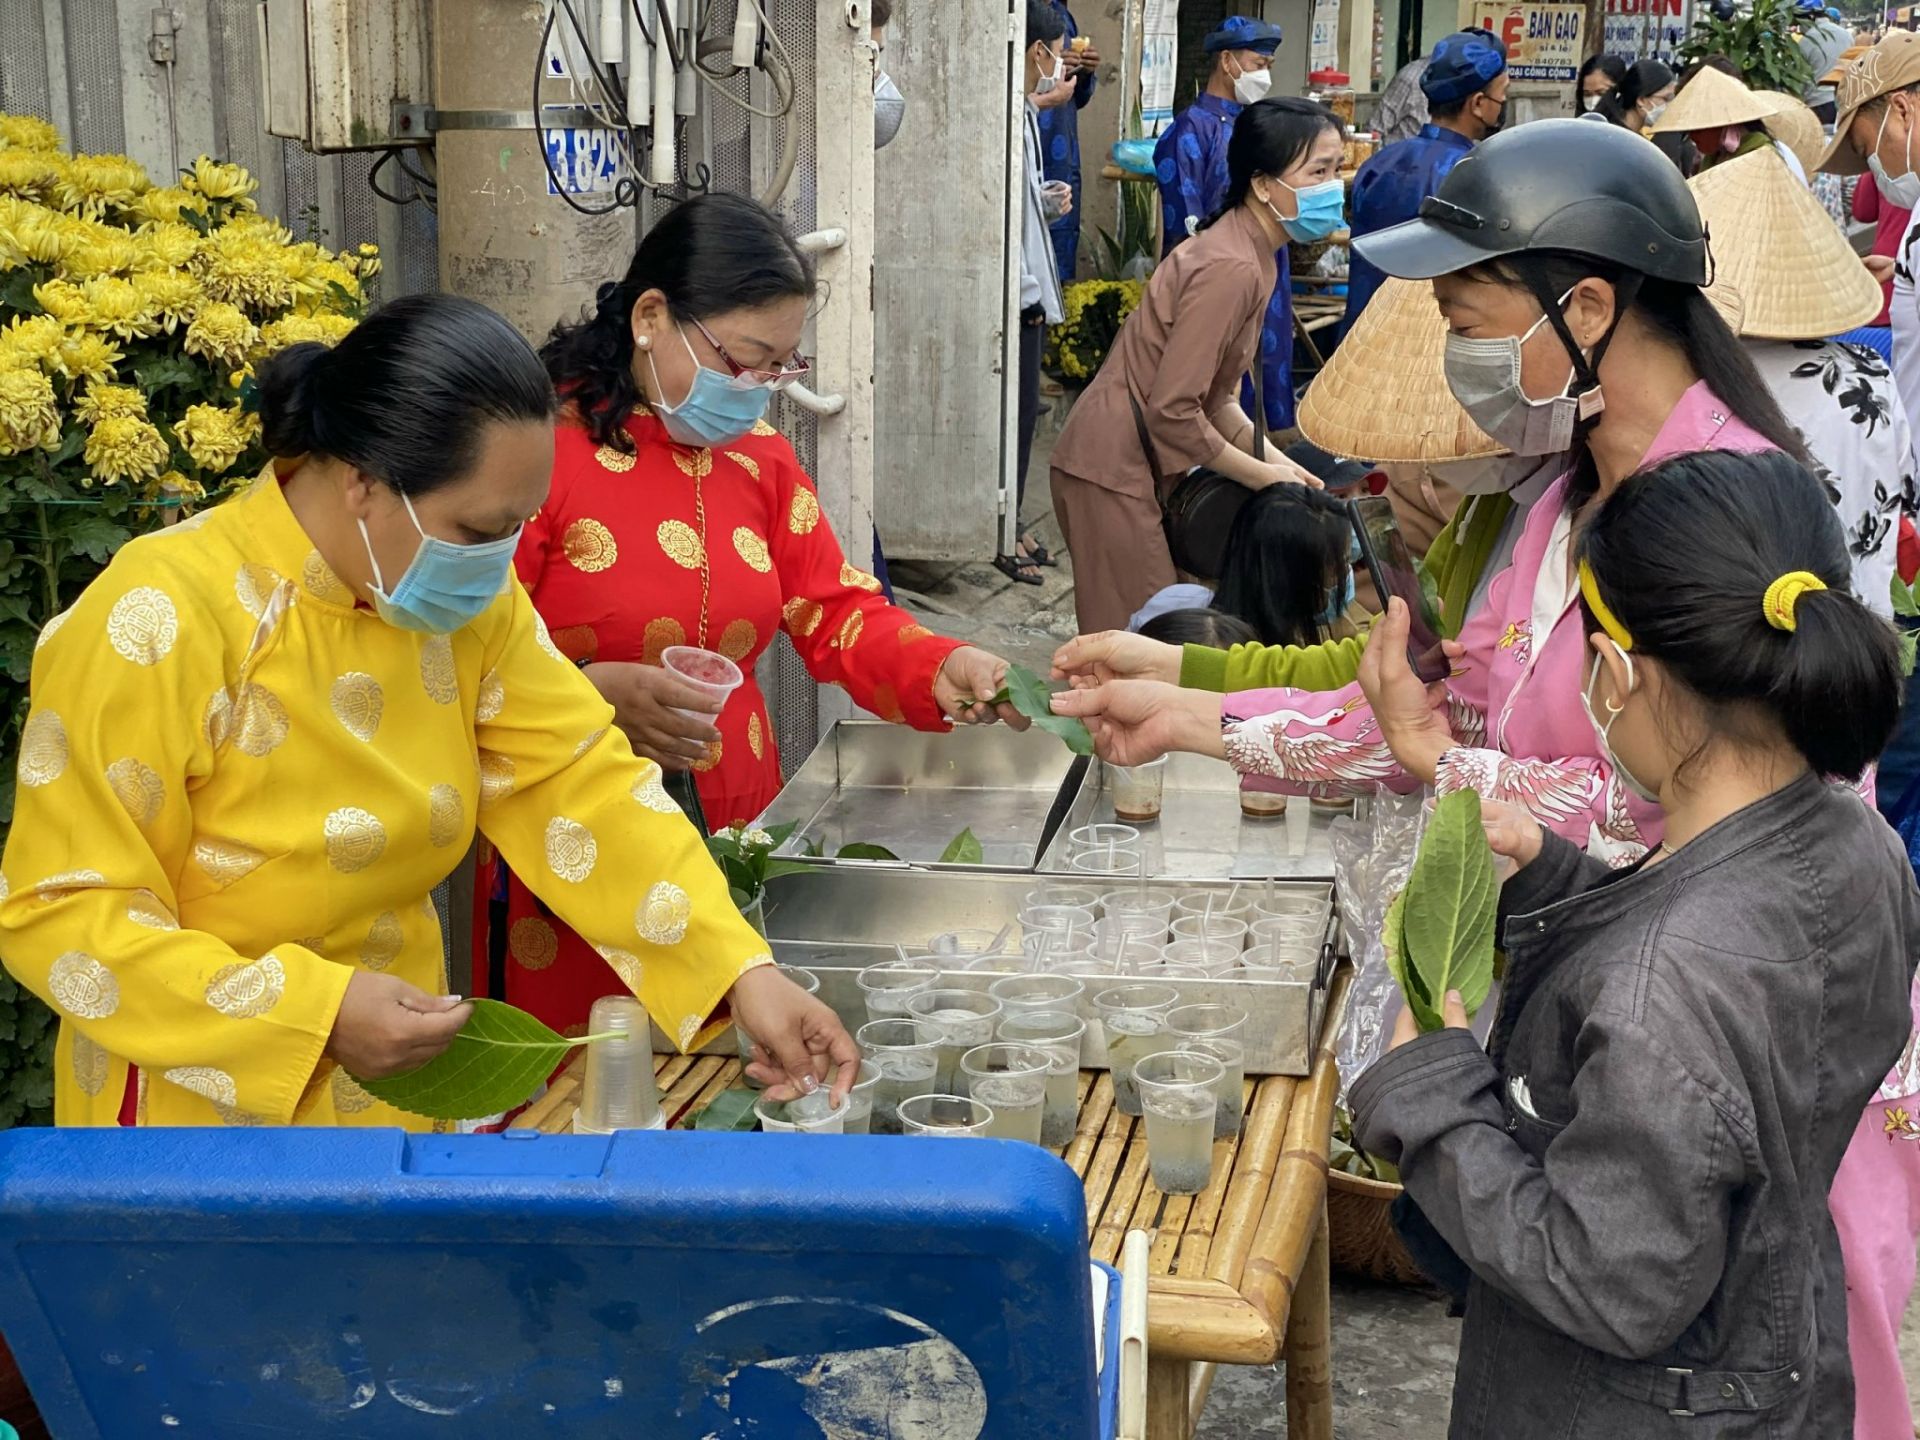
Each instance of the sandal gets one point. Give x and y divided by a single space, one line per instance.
1036 553
1017 569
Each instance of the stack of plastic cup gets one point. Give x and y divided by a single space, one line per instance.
945 1117
807 981
618 1092
1177 1094
1134 1018
903 1057
1059 1034
709 672
1011 1081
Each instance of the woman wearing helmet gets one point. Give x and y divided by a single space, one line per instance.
1569 261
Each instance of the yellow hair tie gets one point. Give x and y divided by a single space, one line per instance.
1591 590
1783 595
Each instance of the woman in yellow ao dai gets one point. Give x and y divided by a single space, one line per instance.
239 782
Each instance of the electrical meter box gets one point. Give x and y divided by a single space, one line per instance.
345 74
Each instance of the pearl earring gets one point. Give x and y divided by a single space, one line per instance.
642 341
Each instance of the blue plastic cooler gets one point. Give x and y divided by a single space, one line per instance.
364 1283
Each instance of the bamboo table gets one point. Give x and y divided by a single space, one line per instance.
1238 1273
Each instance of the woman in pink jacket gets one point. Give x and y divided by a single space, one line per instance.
1568 259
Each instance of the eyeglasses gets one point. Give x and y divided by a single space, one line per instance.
745 376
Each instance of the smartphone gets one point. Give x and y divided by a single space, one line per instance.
1394 571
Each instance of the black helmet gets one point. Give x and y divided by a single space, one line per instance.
1580 189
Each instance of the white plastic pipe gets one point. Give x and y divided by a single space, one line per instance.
686 93
639 69
613 32
813 403
660 157
818 242
746 34
1134 1255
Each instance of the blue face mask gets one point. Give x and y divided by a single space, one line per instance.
446 585
1338 600
718 410
1323 209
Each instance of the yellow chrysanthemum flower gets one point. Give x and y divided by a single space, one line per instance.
29 172
65 301
171 297
222 332
29 415
26 132
32 340
239 267
163 246
101 250
86 356
216 437
118 308
221 182
31 234
164 205
123 448
110 402
90 184
326 328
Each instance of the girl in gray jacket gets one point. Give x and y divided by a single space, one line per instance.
1635 1170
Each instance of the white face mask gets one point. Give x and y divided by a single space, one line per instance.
1250 86
1900 190
1484 376
1049 83
1587 102
1600 732
1654 112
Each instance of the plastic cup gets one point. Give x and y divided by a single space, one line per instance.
1262 804
1134 1019
904 1058
1060 1035
618 1090
1087 838
1177 1090
814 1114
1080 896
1229 1096
1046 950
1019 994
709 672
1288 930
1117 861
807 981
1299 828
944 1116
889 985
1206 1022
1206 956
859 1118
1138 790
1215 902
1011 1081
1279 902
1118 953
1278 962
1219 929
970 944
1143 914
1165 970
1060 918
962 1019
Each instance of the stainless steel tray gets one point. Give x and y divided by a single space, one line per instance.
873 783
848 917
1201 833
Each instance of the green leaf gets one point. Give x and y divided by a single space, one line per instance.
963 849
813 848
862 851
777 868
1909 650
1446 926
16 291
778 835
1393 936
1031 696
730 1110
190 216
496 1062
1903 597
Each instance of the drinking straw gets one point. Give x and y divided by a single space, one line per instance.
1000 939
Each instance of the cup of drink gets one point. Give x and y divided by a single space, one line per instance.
1011 1081
962 1019
1229 1097
1177 1094
903 1057
1138 790
859 1118
1117 860
1114 952
807 981
944 1116
1100 837
889 985
1072 896
1219 928
1050 950
1021 993
1207 956
814 1114
1227 904
1261 804
1059 1034
708 671
970 945
618 1091
1141 913
1134 1019
1206 1022
1292 964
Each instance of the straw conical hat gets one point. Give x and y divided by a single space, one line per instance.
1383 395
1796 276
1795 127
1711 100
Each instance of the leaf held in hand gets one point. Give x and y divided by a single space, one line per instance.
1439 933
1030 695
963 849
499 1058
730 1110
1405 975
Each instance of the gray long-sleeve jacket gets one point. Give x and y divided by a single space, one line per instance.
1636 1170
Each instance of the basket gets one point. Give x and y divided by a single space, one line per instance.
1361 1234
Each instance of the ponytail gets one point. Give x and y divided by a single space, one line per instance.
1683 556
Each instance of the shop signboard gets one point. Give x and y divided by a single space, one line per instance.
1545 42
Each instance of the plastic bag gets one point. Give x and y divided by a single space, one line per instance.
1371 860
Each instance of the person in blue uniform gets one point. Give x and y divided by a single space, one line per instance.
1060 139
1190 165
1465 83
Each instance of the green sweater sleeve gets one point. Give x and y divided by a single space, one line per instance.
1326 666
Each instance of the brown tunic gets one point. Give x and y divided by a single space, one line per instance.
1180 355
